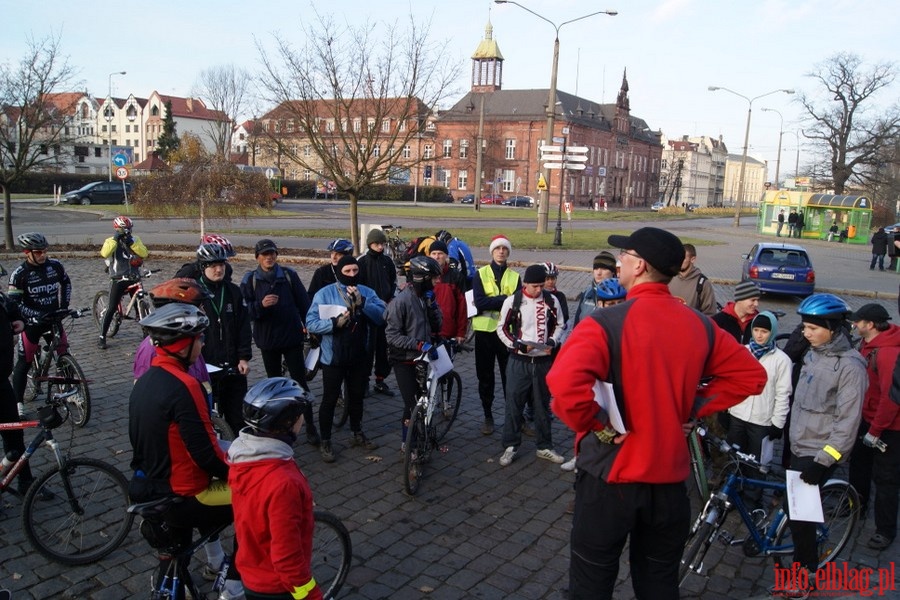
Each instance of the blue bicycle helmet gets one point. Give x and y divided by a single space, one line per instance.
610 289
824 306
341 245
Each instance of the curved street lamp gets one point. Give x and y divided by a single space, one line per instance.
740 198
780 135
544 211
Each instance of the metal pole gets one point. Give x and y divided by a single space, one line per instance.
478 156
109 123
557 237
778 164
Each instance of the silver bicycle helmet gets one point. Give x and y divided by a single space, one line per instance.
209 254
33 241
273 405
173 322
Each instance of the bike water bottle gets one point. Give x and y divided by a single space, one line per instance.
8 461
219 583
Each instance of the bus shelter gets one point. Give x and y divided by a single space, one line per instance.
852 216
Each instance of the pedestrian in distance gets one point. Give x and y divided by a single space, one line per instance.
879 249
378 271
792 222
272 500
780 223
870 461
277 303
833 231
124 253
530 326
344 337
692 286
801 223
631 481
492 285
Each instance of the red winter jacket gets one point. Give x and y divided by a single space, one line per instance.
453 308
665 353
881 353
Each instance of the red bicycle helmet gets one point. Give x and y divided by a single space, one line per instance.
122 222
212 238
181 289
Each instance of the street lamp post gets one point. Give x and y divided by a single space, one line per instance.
740 198
109 117
544 211
780 135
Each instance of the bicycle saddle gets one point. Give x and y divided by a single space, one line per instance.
154 508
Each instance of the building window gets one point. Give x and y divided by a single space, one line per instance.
448 148
464 148
329 126
620 159
103 128
376 151
462 180
429 151
407 152
307 150
370 123
357 125
127 142
510 150
444 177
386 126
509 180
402 126
306 175
98 152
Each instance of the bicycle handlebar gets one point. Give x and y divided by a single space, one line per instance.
58 315
732 450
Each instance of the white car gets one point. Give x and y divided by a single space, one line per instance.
656 206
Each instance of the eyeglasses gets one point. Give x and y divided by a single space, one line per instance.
635 255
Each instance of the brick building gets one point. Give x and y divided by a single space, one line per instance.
623 157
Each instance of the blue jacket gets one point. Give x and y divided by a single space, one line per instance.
279 326
343 346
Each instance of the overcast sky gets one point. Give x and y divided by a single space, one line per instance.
673 49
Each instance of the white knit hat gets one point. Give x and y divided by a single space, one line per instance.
500 240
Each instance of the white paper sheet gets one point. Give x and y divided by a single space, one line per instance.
312 357
443 364
327 311
804 501
471 311
606 398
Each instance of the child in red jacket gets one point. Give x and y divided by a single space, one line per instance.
273 505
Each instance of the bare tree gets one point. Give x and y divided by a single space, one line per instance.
34 115
202 185
224 89
355 97
841 120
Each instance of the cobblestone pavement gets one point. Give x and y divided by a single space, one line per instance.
475 530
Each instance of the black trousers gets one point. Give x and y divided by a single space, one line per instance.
228 393
886 474
656 518
377 355
488 349
861 466
803 532
184 517
749 436
13 440
333 379
293 360
117 289
405 373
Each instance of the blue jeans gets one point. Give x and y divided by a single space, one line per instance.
879 258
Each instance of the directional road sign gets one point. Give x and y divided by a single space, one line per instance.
568 165
568 157
120 160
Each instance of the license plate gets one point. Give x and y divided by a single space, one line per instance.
783 276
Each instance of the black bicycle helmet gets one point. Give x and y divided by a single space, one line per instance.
424 267
210 254
273 405
33 241
824 306
173 322
341 245
444 236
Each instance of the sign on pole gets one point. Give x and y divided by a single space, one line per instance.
122 173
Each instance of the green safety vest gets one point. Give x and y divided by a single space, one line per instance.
509 283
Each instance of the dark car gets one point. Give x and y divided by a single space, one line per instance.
525 201
468 199
491 199
780 269
100 192
692 207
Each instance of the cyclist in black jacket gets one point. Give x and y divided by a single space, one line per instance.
40 286
228 339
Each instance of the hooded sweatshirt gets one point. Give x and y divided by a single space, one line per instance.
881 354
771 406
273 517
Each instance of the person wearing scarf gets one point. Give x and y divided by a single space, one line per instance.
762 416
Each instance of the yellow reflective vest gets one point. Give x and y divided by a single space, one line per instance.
509 282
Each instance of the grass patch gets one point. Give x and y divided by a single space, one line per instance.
192 212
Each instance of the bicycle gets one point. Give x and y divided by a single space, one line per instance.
396 246
331 555
437 404
66 366
767 535
76 513
138 307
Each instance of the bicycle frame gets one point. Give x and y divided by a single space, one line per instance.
136 292
45 435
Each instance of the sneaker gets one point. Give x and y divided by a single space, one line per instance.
488 427
101 343
508 455
326 451
528 428
360 439
549 454
569 465
381 387
879 542
312 436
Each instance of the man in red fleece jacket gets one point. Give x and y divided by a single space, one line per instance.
654 351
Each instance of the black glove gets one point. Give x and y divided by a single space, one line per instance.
128 240
774 432
813 473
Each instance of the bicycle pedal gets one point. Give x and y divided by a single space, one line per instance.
725 537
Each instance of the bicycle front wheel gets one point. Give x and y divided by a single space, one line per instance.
78 514
447 404
98 310
414 454
79 404
144 308
331 553
695 549
840 506
221 427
